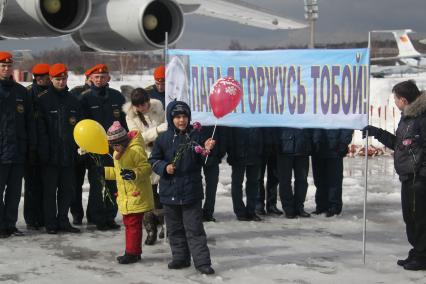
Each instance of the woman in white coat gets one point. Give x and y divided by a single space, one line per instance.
147 116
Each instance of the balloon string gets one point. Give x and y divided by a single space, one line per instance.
214 130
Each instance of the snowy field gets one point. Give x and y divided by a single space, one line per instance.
277 250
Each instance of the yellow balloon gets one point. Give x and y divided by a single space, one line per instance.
91 136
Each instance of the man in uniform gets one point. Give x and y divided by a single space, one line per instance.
81 164
33 201
58 113
157 91
16 136
103 104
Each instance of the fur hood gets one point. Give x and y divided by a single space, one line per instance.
156 109
417 107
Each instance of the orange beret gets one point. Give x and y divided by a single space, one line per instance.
97 69
58 70
88 72
5 57
160 73
41 69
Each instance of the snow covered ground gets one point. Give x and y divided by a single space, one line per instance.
277 250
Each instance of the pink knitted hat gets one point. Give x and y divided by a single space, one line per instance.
117 134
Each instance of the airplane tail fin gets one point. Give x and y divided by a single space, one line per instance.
405 46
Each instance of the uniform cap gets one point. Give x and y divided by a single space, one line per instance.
41 69
97 69
58 70
88 72
160 73
6 57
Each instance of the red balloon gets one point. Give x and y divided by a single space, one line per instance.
225 95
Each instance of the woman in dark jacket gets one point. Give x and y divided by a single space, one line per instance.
181 189
409 145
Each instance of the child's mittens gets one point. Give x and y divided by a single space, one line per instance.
128 174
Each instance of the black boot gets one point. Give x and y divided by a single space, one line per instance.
15 232
150 224
274 210
302 213
161 234
179 264
128 258
415 265
112 225
206 269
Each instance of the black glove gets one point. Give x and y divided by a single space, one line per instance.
372 131
127 174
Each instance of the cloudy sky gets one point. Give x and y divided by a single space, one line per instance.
339 21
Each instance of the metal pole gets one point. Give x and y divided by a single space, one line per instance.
312 37
364 229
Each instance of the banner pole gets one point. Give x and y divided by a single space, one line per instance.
364 228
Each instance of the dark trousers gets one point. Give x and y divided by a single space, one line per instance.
270 192
58 192
293 202
186 233
252 174
77 210
102 206
10 194
33 196
413 200
133 224
211 175
328 179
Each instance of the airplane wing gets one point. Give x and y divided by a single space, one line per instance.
240 12
382 71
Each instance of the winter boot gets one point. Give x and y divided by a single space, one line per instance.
128 258
150 224
179 264
206 269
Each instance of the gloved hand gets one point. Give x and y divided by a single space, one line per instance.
128 174
81 151
372 131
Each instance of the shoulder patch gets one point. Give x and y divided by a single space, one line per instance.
149 88
41 94
85 92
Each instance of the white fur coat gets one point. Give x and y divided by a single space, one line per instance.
156 124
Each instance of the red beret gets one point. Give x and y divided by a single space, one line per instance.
160 73
5 57
97 69
88 72
58 70
41 69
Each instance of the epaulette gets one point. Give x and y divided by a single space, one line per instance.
85 92
77 88
42 93
149 88
29 87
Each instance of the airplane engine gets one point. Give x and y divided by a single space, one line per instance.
42 18
130 25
